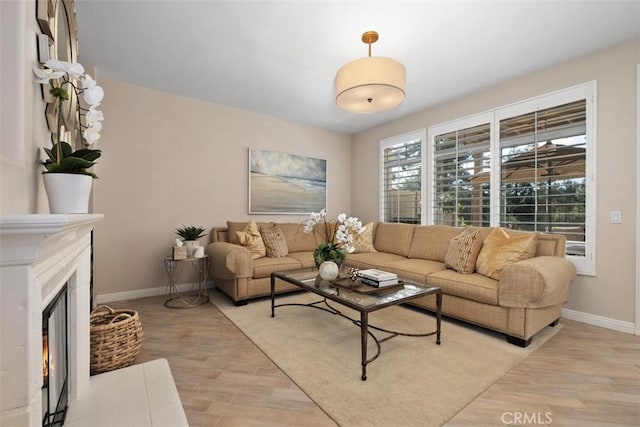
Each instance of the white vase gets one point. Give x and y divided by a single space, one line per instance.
68 193
198 252
191 246
329 270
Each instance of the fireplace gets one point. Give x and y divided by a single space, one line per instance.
55 361
40 257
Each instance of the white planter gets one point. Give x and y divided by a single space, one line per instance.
68 193
191 246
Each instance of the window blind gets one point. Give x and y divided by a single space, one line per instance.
402 182
542 172
461 177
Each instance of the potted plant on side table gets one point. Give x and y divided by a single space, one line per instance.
190 234
67 179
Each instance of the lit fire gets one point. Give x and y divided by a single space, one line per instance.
45 356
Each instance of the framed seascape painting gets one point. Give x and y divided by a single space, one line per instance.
281 183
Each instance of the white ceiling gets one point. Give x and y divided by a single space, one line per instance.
280 57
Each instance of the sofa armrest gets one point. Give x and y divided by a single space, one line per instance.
536 282
230 261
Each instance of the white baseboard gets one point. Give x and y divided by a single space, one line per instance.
595 320
143 293
578 316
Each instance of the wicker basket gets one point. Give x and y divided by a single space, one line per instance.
116 338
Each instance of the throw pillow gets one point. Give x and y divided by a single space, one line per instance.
463 251
363 242
251 238
274 241
500 249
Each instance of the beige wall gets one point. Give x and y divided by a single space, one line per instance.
169 160
22 124
611 292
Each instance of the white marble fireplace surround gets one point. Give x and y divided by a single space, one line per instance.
38 255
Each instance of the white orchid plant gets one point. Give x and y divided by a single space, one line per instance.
338 236
63 77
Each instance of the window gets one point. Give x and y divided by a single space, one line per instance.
527 166
461 163
401 178
542 172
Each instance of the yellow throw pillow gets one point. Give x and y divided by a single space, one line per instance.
463 251
251 238
274 241
363 242
499 250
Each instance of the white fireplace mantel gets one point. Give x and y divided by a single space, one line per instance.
38 255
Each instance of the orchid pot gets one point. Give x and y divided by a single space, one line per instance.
67 177
68 193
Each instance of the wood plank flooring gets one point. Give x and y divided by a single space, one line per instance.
584 375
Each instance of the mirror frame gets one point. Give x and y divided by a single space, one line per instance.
52 15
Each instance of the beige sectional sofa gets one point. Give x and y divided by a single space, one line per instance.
527 297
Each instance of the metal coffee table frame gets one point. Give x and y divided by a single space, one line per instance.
309 281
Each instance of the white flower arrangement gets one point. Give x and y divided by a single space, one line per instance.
337 239
61 76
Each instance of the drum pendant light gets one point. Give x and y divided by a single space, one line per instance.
370 84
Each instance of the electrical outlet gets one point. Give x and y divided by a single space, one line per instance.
616 217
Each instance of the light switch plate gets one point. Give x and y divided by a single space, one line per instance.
616 217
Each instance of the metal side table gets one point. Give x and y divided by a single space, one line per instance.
197 294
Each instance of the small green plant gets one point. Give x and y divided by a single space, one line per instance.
190 232
70 161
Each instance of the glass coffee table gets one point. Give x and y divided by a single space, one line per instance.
362 303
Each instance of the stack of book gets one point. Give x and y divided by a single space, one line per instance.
378 278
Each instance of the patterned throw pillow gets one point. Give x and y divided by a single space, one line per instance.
274 241
463 251
363 242
500 249
251 238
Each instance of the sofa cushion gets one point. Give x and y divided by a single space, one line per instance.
532 249
463 251
432 241
501 249
551 245
394 238
474 286
413 269
233 227
251 238
263 267
274 241
363 242
304 258
297 239
371 259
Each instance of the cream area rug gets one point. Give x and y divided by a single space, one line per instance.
414 382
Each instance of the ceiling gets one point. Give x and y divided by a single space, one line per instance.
280 57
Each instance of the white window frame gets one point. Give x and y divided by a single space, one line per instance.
420 134
587 91
451 126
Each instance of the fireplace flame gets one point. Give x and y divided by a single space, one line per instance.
45 357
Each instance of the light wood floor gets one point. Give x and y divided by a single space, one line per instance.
583 376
